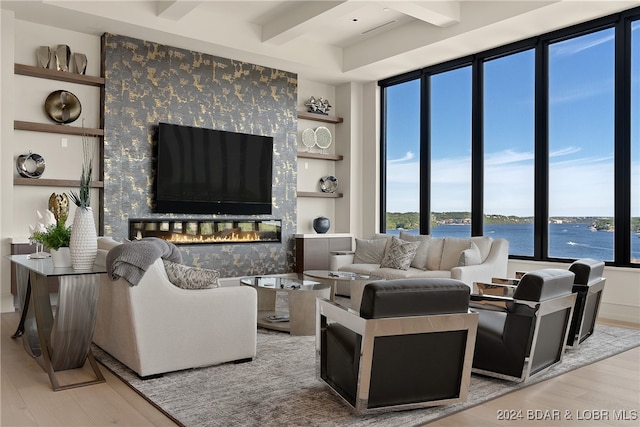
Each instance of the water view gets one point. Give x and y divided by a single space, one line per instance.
565 240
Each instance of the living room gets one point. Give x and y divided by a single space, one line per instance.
355 98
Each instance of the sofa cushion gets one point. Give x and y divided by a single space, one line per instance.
420 260
451 250
470 256
399 254
484 245
392 273
434 254
369 251
186 277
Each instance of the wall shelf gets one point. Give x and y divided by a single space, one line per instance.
56 128
63 76
319 194
319 117
43 182
308 155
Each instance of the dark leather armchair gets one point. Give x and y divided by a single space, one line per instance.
523 331
411 345
588 286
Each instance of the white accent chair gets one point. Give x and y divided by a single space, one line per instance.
156 327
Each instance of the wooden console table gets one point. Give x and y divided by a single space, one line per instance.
63 341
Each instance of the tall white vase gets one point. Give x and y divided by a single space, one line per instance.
84 243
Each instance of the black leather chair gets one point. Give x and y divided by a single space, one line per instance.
411 345
524 334
588 286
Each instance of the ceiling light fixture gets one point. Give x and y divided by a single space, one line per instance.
378 27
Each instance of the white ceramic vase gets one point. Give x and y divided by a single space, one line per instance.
61 257
84 244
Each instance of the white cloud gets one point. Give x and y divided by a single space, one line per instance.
579 187
408 156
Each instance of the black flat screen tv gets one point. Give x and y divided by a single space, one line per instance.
207 171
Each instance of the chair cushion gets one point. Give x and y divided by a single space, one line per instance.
414 297
540 285
399 254
186 277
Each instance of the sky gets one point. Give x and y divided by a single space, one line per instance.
581 74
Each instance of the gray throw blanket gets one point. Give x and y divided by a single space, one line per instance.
132 259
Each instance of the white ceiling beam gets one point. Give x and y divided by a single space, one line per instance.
439 13
298 20
175 9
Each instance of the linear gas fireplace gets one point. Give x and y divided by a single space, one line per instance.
192 232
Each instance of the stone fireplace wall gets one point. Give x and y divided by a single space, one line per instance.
147 83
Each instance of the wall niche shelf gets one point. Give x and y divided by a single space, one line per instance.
308 155
63 76
43 182
319 194
319 117
51 128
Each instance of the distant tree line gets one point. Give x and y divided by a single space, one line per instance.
411 220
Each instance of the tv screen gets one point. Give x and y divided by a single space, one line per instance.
207 171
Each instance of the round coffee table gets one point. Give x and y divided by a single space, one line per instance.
353 282
302 294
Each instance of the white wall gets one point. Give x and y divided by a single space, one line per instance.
311 170
23 99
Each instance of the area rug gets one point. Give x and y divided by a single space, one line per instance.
279 387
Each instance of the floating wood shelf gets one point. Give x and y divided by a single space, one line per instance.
63 76
43 182
319 117
53 128
319 194
308 155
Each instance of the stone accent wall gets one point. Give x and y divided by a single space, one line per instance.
147 83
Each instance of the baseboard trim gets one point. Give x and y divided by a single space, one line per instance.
620 313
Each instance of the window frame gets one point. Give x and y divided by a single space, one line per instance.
621 23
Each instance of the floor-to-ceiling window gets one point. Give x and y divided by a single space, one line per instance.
525 142
402 136
450 137
581 146
509 109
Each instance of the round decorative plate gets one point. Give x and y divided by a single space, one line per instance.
30 165
309 138
62 106
328 184
323 137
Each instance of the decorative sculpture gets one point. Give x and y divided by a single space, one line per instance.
319 106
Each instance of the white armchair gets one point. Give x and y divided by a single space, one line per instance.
156 327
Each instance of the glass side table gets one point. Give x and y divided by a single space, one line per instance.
62 341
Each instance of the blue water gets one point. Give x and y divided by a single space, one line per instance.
565 240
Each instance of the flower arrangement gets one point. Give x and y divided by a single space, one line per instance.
82 199
53 231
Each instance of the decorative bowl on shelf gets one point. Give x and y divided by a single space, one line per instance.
329 184
30 165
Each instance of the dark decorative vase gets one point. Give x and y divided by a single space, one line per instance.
321 224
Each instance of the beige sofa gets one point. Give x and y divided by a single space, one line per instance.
450 257
156 327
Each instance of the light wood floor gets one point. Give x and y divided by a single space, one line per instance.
594 390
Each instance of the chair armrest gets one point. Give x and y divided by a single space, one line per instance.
346 317
496 289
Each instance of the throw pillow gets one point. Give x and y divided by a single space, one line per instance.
369 251
434 255
470 256
186 277
451 251
399 254
420 260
